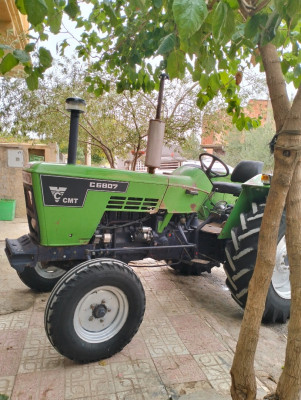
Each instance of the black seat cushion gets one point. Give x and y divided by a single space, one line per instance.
243 171
227 187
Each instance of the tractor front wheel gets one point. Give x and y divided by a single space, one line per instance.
95 310
41 278
241 255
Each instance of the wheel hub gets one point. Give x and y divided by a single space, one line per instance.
100 314
99 311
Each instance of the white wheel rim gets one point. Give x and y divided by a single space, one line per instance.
49 272
113 306
281 274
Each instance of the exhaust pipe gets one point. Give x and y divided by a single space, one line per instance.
76 106
156 134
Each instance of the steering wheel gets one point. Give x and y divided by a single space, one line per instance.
207 161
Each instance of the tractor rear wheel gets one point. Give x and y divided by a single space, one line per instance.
241 255
41 278
95 310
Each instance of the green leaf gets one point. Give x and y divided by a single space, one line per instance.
36 11
214 82
223 25
157 3
55 21
297 71
270 28
20 6
167 44
204 81
22 56
45 57
8 63
176 64
32 81
219 17
72 8
233 4
240 123
293 7
29 47
189 16
251 28
5 47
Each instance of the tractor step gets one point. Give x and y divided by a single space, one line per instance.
212 228
199 261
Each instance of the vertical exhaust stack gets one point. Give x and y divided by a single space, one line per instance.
76 106
156 134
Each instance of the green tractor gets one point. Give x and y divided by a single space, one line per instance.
87 223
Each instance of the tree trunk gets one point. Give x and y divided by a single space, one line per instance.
289 386
242 371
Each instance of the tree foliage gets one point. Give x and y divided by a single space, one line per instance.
212 41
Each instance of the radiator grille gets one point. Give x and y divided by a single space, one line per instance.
131 203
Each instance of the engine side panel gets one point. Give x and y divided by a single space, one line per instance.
70 199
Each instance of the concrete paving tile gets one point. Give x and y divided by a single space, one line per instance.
124 377
17 320
36 338
170 295
77 382
160 284
218 358
134 376
180 389
40 301
6 385
12 339
40 359
222 385
39 385
200 341
101 380
178 369
9 361
155 393
100 397
160 345
37 319
137 349
185 321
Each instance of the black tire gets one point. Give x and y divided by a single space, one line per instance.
101 292
241 254
41 279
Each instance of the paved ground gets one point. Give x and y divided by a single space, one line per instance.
183 349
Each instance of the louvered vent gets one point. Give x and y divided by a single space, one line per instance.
131 203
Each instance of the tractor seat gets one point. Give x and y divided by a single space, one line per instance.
243 171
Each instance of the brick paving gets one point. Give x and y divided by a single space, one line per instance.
175 352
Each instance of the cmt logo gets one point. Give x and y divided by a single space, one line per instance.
57 192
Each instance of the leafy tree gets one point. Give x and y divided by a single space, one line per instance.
250 145
215 42
115 124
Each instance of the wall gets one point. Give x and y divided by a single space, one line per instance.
13 156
